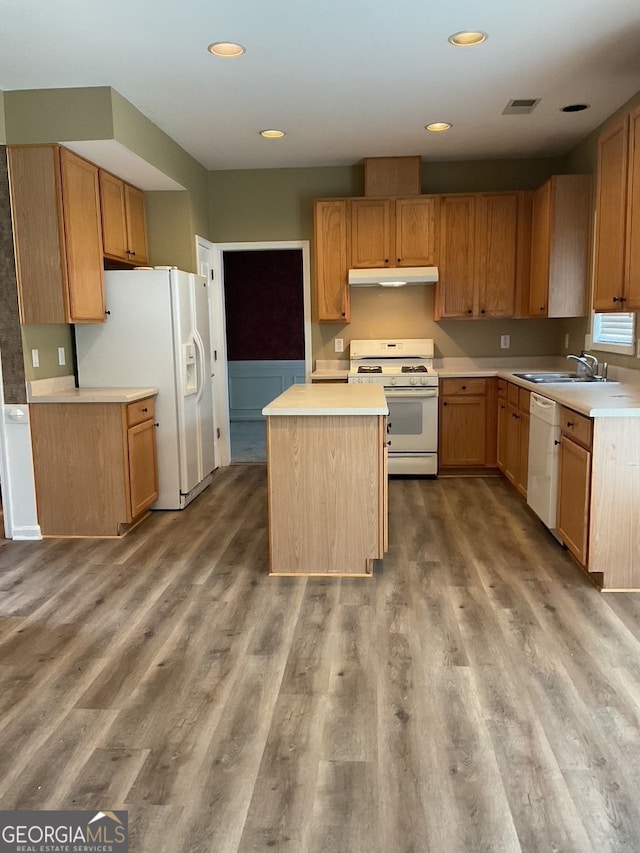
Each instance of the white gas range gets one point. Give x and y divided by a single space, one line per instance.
405 369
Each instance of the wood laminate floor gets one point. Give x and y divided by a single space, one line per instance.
477 694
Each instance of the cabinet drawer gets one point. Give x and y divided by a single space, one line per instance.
463 386
513 394
141 410
523 400
502 387
576 426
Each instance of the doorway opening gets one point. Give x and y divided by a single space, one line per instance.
273 302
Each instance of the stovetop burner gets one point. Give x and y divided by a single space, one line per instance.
369 368
414 368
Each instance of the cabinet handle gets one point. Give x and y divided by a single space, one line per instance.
389 425
444 403
482 311
386 260
617 299
107 312
156 424
570 424
464 387
144 410
133 254
469 310
542 307
555 441
398 260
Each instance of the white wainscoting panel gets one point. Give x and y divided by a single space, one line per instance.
253 384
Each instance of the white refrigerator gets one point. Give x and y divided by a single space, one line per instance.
157 334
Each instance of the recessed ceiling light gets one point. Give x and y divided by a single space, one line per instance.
272 134
437 126
574 108
467 39
226 49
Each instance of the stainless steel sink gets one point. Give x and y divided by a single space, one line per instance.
553 378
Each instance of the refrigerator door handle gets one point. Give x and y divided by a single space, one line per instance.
199 362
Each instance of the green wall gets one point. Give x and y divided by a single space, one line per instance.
277 204
47 339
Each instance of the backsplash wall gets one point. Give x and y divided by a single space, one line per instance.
408 313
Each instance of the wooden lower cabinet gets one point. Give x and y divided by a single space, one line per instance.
513 434
574 493
327 487
94 466
467 423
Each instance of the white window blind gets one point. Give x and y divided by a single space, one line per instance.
616 329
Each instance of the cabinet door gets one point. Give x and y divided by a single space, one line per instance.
143 477
456 286
41 267
632 277
503 415
463 422
331 263
112 207
496 250
611 204
136 225
416 226
522 472
371 233
83 238
574 491
512 449
540 251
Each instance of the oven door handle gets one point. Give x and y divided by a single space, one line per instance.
418 393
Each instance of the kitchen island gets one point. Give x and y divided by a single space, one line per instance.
327 479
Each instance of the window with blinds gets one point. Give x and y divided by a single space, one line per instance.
617 329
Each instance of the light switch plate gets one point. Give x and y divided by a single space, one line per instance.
62 356
35 358
338 345
505 341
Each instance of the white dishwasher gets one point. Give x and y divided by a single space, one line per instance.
544 457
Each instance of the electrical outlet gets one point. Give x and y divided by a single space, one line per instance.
338 345
35 358
62 356
505 341
566 341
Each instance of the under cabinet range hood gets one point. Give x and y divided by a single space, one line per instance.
393 276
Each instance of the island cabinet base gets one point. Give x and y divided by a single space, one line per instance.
327 494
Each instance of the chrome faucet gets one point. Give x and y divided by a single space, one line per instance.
590 362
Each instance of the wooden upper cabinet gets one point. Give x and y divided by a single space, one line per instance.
330 228
415 231
124 229
371 224
56 221
456 257
482 247
560 232
612 174
496 253
136 224
632 268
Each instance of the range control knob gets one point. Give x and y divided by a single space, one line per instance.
423 381
412 380
393 380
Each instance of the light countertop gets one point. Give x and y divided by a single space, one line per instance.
62 390
596 400
366 399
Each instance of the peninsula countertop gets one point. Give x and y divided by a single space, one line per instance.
62 390
337 399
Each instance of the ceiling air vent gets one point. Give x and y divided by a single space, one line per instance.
520 106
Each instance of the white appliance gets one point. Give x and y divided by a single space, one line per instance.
157 334
405 369
544 457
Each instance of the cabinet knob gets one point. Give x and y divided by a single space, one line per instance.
386 260
144 410
398 260
469 310
107 312
464 387
542 307
555 441
570 424
156 424
445 404
617 299
482 311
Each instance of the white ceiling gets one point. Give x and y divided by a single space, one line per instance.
344 78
